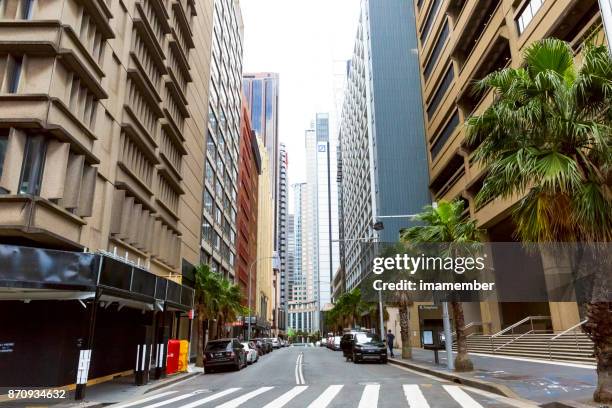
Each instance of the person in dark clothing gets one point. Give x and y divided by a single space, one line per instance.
390 338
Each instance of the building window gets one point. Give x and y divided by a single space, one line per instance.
15 63
444 135
208 202
33 163
27 7
433 12
435 54
4 133
527 14
446 83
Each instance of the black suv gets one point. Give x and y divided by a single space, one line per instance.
361 346
224 353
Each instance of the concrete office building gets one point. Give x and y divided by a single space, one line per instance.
101 162
302 305
383 161
222 140
326 205
463 41
266 277
249 170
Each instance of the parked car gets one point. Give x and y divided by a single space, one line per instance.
366 347
336 344
265 345
251 350
275 342
323 342
224 353
330 342
346 343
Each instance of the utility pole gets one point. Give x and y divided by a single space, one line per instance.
448 337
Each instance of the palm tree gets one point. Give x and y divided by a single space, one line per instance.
446 223
230 303
547 139
207 285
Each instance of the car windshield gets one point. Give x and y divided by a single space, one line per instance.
246 345
366 338
217 345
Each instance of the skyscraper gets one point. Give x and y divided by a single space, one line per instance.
261 91
284 226
316 225
222 140
384 163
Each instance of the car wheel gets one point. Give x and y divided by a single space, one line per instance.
383 361
354 359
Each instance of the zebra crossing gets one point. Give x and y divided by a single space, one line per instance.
369 395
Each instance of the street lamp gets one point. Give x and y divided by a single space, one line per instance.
378 226
275 259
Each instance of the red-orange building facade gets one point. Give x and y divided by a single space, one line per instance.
249 168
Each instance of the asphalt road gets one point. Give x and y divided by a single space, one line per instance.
316 378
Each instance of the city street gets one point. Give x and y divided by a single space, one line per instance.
317 377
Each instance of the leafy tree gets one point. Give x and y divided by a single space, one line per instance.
547 139
445 223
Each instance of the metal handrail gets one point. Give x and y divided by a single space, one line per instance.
568 330
512 327
513 340
467 326
563 333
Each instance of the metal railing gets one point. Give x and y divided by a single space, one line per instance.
466 327
511 328
563 333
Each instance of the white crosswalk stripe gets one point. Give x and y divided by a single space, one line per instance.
286 397
171 400
210 398
461 397
369 397
143 400
414 396
321 396
328 395
236 402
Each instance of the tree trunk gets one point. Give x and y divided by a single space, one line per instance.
200 344
462 361
404 316
599 329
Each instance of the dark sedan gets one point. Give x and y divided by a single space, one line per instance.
368 347
227 353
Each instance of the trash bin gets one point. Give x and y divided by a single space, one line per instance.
182 360
172 362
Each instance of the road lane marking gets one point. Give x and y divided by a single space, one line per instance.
414 396
369 398
210 398
143 400
301 371
328 395
241 400
461 397
299 375
286 397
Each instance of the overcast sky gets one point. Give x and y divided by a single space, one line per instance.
307 43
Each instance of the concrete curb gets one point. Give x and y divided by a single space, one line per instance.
498 389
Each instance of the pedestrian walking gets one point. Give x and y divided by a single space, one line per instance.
390 338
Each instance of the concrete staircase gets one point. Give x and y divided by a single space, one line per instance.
573 347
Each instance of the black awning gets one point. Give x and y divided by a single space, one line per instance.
37 268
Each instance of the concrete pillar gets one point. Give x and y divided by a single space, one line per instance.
564 315
491 317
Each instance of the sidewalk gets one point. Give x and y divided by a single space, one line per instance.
540 381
